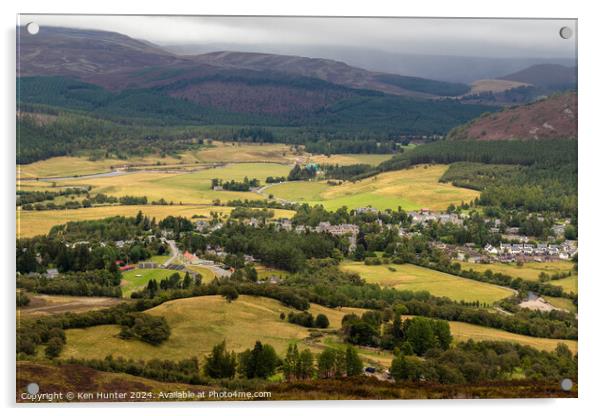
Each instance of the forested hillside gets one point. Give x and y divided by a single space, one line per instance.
354 117
536 175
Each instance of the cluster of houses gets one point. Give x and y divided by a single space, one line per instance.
508 253
205 226
425 215
565 250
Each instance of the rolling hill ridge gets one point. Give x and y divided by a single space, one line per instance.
552 118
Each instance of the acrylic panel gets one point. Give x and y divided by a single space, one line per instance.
295 208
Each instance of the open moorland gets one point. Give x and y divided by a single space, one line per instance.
71 377
411 277
411 189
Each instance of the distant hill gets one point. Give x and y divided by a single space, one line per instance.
336 72
546 76
552 118
84 53
117 61
112 75
451 68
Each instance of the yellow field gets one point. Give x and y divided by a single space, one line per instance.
562 303
206 274
414 278
245 152
349 159
188 188
197 324
463 331
568 285
72 165
530 271
31 223
216 153
411 189
494 85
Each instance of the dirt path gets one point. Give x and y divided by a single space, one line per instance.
54 304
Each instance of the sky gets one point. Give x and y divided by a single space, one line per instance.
460 37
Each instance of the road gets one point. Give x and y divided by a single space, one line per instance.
173 248
264 188
218 271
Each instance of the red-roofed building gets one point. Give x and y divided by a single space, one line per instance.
127 267
190 257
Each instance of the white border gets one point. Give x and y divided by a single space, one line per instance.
589 192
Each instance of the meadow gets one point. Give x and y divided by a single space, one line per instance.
137 279
562 303
463 332
412 189
265 272
197 324
349 159
411 277
187 188
206 274
32 223
217 152
531 271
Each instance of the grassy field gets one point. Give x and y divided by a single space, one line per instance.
410 277
197 324
299 191
159 259
463 331
350 159
31 223
568 285
72 165
218 152
562 303
136 279
206 274
245 152
264 272
411 189
531 271
201 322
187 188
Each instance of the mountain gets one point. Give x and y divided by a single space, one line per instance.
451 68
110 75
546 76
336 72
117 61
85 53
551 118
